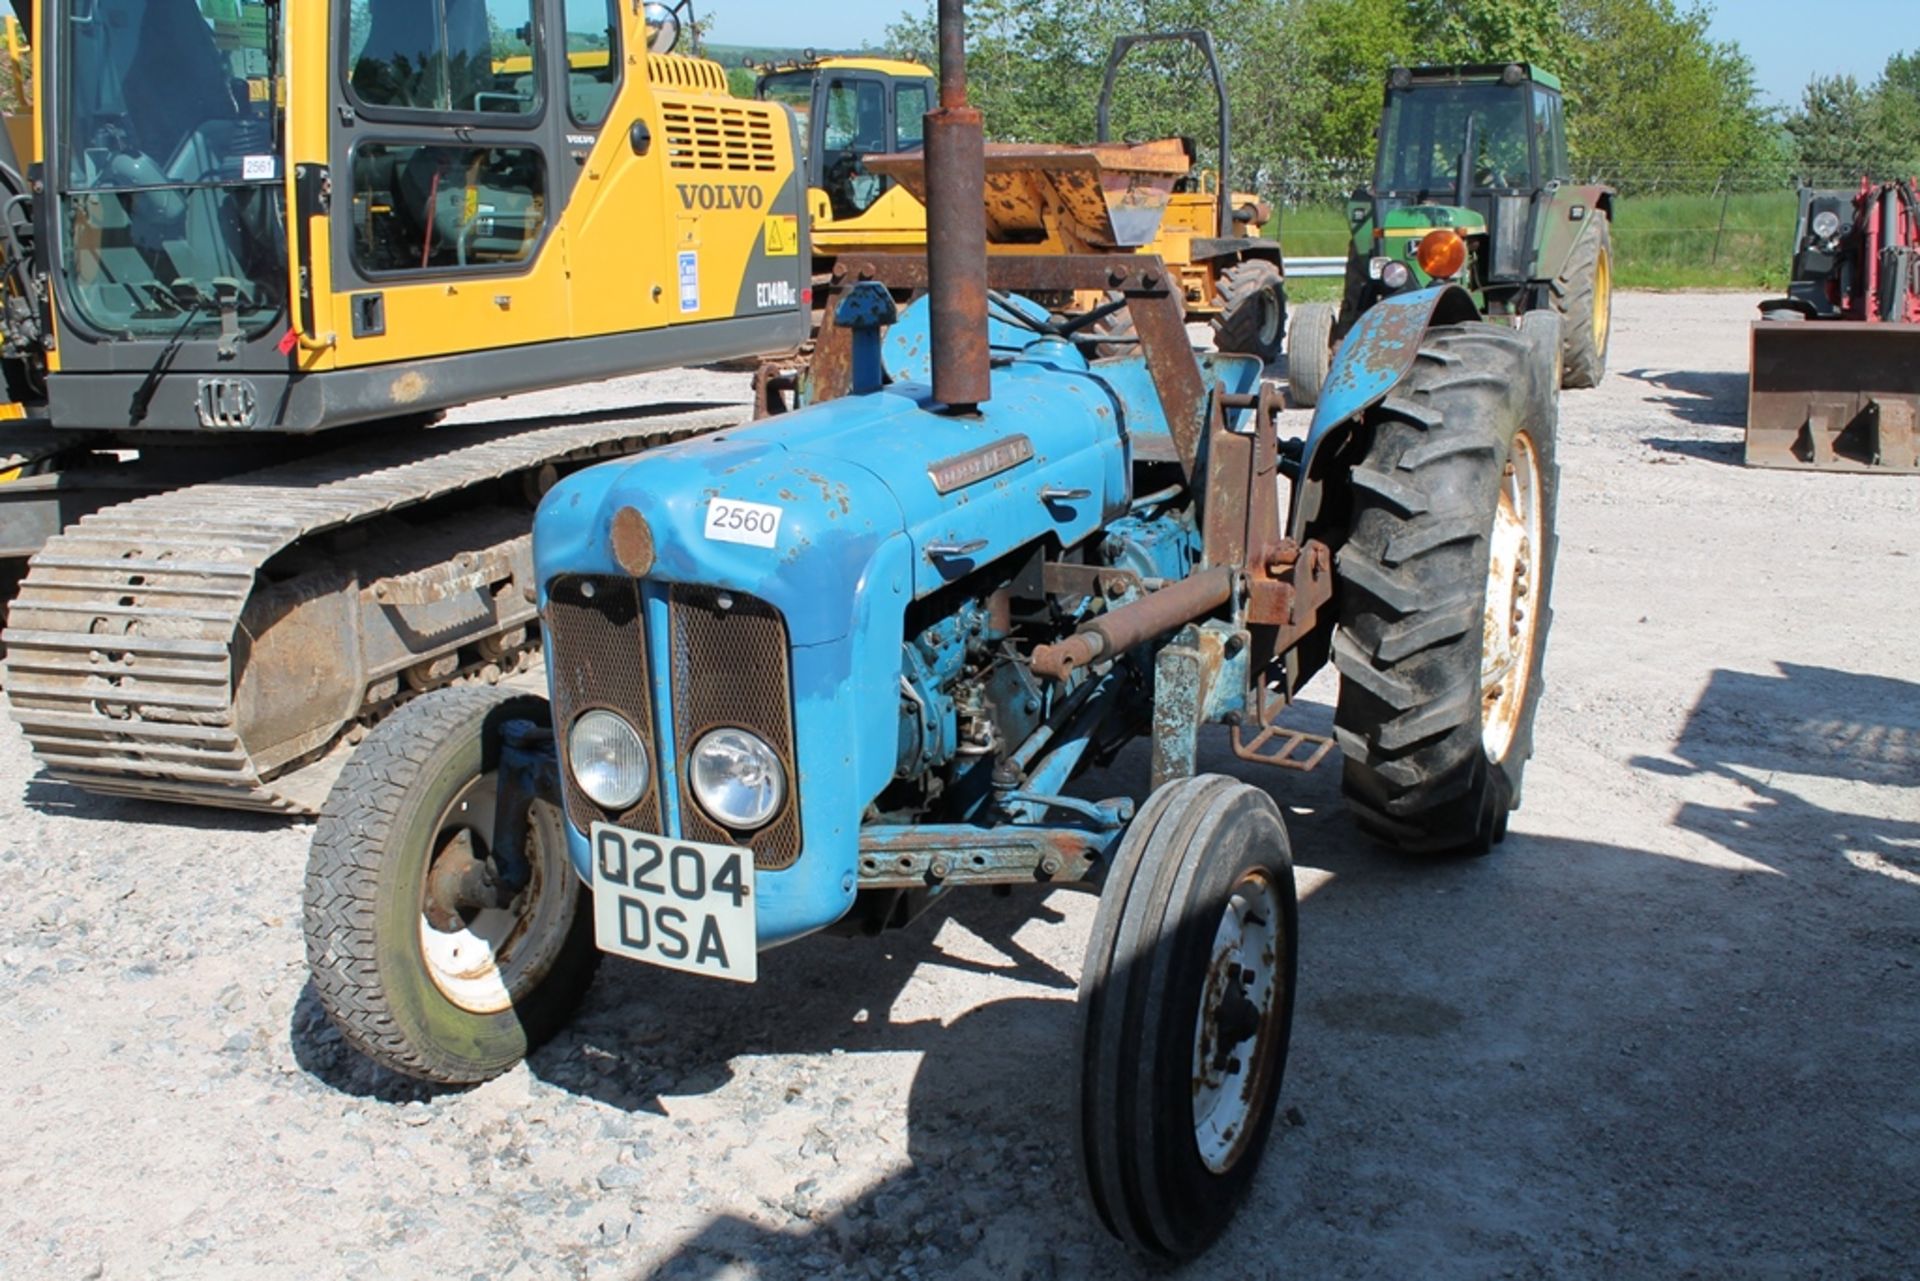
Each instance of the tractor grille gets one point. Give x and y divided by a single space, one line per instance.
597 656
730 669
718 136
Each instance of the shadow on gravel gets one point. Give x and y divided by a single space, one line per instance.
64 800
1707 399
321 1054
1803 721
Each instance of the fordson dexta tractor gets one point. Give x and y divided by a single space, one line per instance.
820 672
1472 187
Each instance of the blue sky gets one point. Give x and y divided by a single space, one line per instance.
1788 40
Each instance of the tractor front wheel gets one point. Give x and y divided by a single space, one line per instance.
1253 310
1309 353
1186 1004
1583 295
1445 577
424 966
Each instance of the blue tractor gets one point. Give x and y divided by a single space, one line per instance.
820 671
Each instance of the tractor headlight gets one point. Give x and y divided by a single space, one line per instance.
1395 275
1826 224
737 778
608 759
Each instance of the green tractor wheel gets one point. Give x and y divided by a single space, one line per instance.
1583 295
1309 352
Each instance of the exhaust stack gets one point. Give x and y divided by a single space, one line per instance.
956 168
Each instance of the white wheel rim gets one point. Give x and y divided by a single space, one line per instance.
501 953
1229 1080
1511 622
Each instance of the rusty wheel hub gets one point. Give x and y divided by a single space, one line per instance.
485 948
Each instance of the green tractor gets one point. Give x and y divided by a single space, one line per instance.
1472 185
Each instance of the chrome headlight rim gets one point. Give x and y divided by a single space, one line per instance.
702 788
596 789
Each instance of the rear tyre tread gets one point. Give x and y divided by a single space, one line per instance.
1584 352
1413 573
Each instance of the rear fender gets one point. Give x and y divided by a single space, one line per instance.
1372 359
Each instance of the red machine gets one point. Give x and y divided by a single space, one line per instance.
1836 363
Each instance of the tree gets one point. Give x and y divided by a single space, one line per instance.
1840 133
1658 102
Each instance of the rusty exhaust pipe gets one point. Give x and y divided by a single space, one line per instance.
956 152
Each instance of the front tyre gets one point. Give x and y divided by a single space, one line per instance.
423 967
1445 578
1186 1005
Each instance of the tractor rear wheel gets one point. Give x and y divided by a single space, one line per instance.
1186 1005
1253 310
1583 295
1445 578
417 971
1309 352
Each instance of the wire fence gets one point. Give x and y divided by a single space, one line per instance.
1675 221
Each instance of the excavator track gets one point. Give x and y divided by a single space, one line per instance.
225 643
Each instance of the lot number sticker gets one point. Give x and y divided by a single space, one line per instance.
729 520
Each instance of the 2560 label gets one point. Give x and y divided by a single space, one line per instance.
733 520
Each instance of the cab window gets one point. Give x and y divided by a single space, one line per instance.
593 59
448 57
856 125
909 111
1551 136
430 207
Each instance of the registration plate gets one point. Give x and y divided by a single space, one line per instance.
681 904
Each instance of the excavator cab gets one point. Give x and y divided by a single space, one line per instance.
274 217
850 108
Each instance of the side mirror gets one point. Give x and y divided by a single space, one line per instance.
663 27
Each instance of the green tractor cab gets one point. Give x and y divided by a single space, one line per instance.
1472 186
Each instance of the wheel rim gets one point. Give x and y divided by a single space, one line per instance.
494 956
1512 618
1233 1039
1602 299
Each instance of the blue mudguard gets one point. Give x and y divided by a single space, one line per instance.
1376 354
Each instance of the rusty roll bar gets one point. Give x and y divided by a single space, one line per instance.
957 228
1154 614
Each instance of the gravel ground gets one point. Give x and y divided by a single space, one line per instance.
1670 1028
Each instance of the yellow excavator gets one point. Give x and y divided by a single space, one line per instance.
249 249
